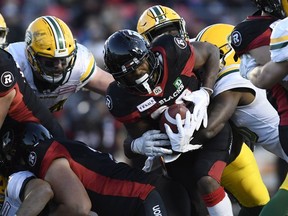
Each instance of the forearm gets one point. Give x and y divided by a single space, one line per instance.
254 77
211 69
37 194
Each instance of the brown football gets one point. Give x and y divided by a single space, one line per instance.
169 116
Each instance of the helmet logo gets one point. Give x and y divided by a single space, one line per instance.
28 38
236 38
7 79
32 158
6 139
180 42
108 102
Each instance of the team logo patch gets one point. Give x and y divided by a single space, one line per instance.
181 43
236 38
7 79
158 90
177 82
32 158
108 102
146 104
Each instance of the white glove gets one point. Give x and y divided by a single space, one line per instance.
201 100
247 64
180 141
151 144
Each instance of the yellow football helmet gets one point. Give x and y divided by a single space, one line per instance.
50 49
157 20
284 4
219 35
3 32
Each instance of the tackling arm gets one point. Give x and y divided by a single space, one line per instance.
268 75
207 58
220 111
100 82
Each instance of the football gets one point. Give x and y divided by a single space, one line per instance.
169 116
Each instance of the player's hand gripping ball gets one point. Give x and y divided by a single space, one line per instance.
169 116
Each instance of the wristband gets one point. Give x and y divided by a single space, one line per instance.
208 90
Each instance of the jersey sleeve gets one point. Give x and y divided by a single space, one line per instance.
279 41
229 78
251 33
89 66
7 82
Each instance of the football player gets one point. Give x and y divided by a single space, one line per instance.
54 64
3 32
20 104
239 101
272 73
147 80
76 173
158 20
251 38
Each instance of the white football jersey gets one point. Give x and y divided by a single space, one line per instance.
83 70
258 122
279 44
15 188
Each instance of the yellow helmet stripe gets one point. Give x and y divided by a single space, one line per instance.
57 32
158 13
89 71
201 33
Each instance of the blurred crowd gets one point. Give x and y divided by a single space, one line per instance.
85 116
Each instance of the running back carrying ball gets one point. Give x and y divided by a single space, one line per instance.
169 116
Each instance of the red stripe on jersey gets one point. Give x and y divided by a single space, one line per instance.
92 180
109 186
131 118
188 70
18 109
280 97
261 40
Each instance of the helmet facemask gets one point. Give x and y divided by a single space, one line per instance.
55 70
276 8
3 35
147 82
166 28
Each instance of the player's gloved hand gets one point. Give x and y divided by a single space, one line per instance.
247 64
180 141
201 100
152 143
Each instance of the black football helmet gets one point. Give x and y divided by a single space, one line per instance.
17 139
276 8
124 51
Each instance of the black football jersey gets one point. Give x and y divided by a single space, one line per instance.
251 33
25 107
177 59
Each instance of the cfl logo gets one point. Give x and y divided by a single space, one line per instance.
32 158
7 79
